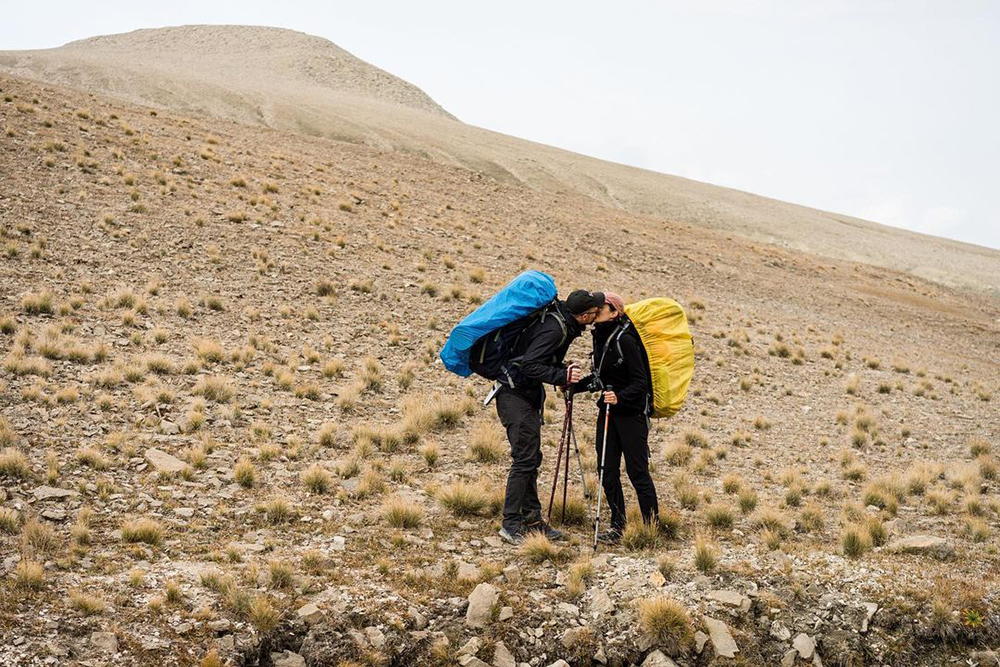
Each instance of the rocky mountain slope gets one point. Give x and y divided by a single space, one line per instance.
225 437
292 81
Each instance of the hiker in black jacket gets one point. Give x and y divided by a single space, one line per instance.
620 362
520 407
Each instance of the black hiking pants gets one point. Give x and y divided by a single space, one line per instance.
523 422
628 435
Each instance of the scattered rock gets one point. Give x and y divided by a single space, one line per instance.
658 580
722 639
53 493
470 647
780 632
339 543
600 602
310 614
471 661
506 613
481 602
169 428
870 609
731 599
658 659
104 642
572 637
699 641
164 462
419 620
287 659
512 573
805 645
923 545
502 657
467 571
559 663
790 658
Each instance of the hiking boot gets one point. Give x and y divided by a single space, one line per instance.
545 529
610 536
513 536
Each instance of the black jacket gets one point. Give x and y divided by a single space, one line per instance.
620 362
542 360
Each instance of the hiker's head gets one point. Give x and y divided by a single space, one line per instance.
612 308
584 305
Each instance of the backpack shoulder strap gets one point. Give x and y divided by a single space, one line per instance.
554 312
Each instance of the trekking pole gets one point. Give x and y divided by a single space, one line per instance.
583 476
569 420
600 480
555 479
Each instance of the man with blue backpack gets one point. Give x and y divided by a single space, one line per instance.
520 404
518 339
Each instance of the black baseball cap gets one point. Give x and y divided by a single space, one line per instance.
580 301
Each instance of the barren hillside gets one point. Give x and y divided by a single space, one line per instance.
226 439
292 81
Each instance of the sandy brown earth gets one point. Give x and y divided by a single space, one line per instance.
266 307
292 81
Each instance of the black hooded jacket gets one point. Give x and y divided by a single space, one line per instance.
542 360
620 362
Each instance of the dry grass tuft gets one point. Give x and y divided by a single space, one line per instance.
463 499
668 623
14 463
146 531
400 513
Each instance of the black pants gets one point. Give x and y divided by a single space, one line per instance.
523 422
627 434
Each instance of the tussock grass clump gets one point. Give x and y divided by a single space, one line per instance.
38 303
810 519
670 523
978 446
262 615
463 499
146 531
14 463
576 511
720 516
487 444
244 473
327 434
422 415
280 574
277 511
706 554
10 520
768 518
91 458
731 483
668 623
333 368
855 541
372 484
38 537
537 548
695 439
678 454
7 435
215 388
687 496
639 535
317 479
29 575
86 604
431 454
400 513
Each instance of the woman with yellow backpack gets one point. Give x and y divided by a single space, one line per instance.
621 375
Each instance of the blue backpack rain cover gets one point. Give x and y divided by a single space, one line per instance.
528 292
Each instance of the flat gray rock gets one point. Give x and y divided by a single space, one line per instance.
163 462
481 602
923 545
731 599
805 645
53 493
502 657
722 640
288 659
104 642
658 659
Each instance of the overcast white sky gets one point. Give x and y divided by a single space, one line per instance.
885 110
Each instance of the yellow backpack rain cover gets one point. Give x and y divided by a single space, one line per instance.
663 328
